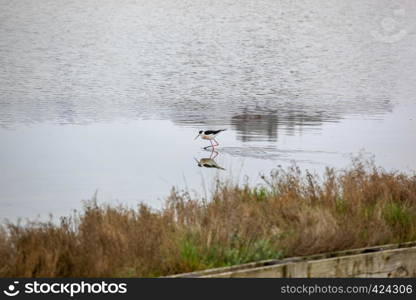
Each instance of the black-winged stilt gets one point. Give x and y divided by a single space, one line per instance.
209 135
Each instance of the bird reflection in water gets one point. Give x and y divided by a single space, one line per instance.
209 162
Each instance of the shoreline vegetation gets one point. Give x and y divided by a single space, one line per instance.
293 213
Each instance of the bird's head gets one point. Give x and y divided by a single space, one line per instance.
199 133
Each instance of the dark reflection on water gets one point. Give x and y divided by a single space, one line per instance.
257 127
209 162
251 126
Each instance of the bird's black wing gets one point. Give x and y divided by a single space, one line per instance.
208 132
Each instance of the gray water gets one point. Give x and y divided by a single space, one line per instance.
107 96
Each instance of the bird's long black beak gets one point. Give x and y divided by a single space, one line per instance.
196 137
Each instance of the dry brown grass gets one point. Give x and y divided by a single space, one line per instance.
292 214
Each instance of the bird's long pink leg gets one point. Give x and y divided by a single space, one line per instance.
216 142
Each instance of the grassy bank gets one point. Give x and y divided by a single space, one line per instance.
293 213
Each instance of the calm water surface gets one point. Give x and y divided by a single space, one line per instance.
107 97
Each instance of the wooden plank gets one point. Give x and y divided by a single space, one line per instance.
399 262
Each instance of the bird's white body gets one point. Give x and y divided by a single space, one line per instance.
208 136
